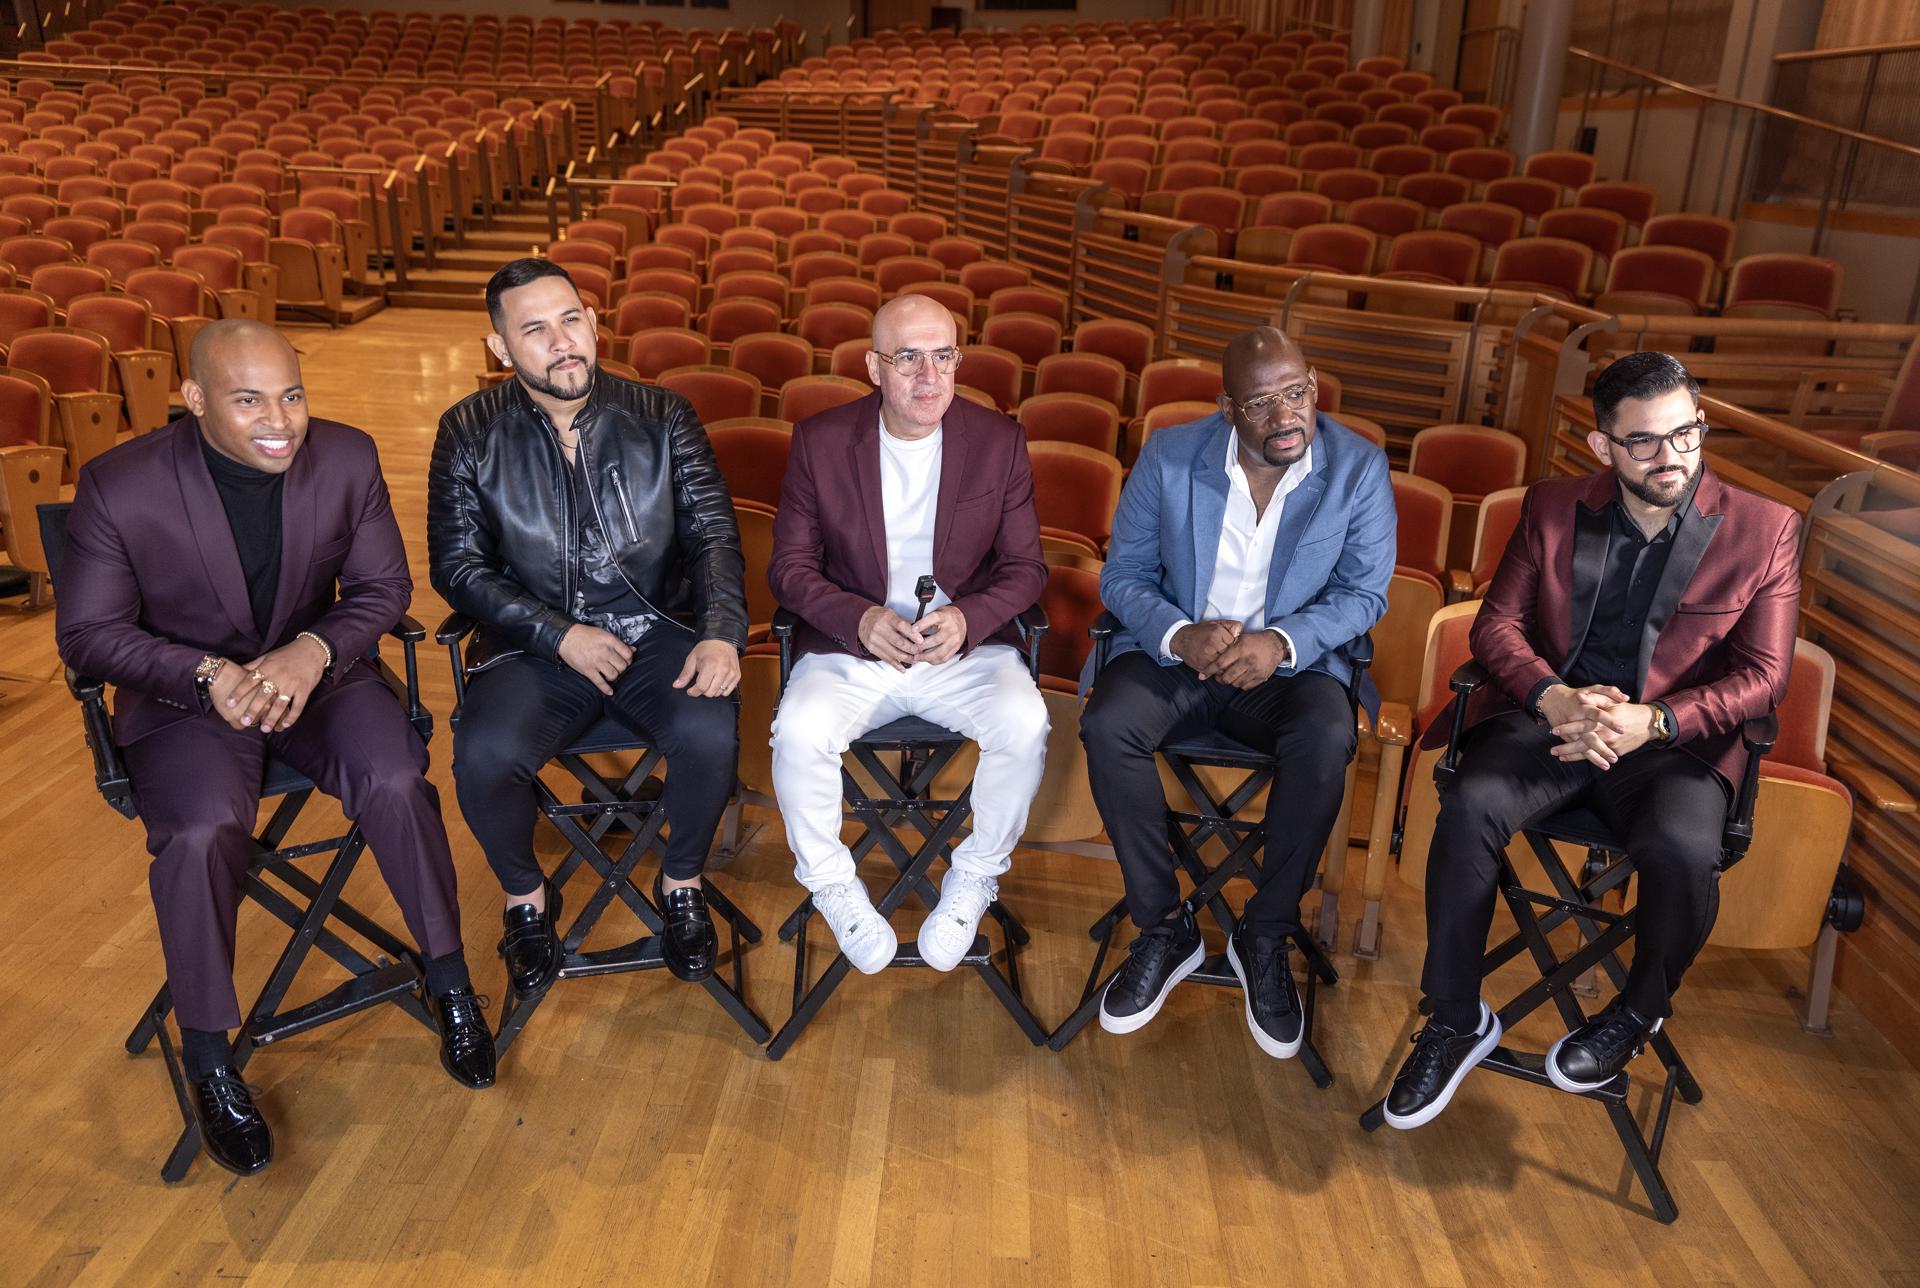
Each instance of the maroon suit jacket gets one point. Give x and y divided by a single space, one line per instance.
1717 642
830 537
151 579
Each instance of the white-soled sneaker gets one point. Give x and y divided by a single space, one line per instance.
862 933
948 932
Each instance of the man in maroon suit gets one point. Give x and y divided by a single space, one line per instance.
906 543
1640 616
200 581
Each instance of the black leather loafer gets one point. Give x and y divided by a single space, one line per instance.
530 947
688 943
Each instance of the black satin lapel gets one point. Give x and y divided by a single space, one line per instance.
1689 548
296 538
212 534
1590 528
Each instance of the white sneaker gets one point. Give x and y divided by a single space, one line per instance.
862 933
948 932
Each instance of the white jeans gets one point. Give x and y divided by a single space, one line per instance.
833 698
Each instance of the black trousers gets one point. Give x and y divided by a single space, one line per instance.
520 713
1305 721
1668 807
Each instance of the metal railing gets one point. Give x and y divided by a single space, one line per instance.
1872 89
1775 147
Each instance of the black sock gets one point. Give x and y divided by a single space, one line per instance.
1461 1017
204 1050
446 973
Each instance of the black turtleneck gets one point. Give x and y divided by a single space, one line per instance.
252 501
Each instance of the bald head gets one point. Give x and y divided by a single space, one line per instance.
1268 394
910 313
246 393
915 394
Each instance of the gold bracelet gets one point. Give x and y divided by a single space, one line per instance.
324 646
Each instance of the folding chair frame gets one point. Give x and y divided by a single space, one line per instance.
1604 932
605 805
1188 832
924 750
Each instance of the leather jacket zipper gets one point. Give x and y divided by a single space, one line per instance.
593 495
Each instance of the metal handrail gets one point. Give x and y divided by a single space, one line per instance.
1847 51
1763 109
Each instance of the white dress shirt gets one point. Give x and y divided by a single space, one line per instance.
1244 561
910 494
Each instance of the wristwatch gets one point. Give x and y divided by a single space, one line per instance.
206 673
1662 727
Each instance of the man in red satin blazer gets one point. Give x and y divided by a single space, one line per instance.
907 544
1639 617
226 574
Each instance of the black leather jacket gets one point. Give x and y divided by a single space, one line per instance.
501 532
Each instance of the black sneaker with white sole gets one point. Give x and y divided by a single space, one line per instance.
1156 961
1593 1055
1441 1058
1265 969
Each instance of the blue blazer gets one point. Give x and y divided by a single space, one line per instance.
1332 558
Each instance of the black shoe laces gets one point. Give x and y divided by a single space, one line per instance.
1269 968
465 1020
227 1092
1432 1054
1146 954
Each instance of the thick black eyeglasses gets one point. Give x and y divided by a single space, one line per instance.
1644 447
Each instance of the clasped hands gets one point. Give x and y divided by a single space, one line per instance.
272 690
1596 723
900 643
712 668
1222 650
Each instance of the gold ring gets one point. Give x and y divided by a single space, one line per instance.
267 687
283 697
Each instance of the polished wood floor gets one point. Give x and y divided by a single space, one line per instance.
911 1137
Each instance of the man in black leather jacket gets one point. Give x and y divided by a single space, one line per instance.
581 521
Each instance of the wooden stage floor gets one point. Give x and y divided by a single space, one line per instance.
912 1136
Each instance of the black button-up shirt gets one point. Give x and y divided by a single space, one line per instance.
1611 652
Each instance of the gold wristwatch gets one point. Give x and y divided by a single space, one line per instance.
1662 727
207 672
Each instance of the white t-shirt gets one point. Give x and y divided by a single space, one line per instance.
910 493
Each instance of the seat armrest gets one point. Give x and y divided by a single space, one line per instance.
409 630
1101 633
1874 787
109 772
785 623
1760 733
1467 678
1033 627
453 628
1394 728
1459 584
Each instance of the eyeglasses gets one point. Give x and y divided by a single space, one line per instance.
1644 447
1293 398
911 362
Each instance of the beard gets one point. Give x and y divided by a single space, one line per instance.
582 380
1274 454
1664 490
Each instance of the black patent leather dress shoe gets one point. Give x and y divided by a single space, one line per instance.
466 1044
1594 1054
1262 963
530 947
232 1130
688 943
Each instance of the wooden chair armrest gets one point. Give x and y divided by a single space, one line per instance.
1874 787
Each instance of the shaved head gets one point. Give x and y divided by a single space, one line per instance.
1262 375
247 394
906 311
914 396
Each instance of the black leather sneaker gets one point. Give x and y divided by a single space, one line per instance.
1440 1059
232 1129
1593 1055
1156 961
1265 968
530 947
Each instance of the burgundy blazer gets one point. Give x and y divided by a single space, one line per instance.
830 537
1718 640
151 579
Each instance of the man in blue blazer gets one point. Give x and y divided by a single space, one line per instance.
1248 550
